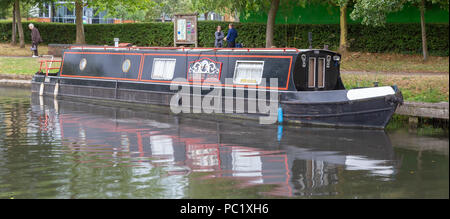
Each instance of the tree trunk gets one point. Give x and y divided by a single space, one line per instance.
343 26
424 34
271 22
79 22
19 24
53 12
206 16
14 26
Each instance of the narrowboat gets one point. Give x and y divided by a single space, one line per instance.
296 85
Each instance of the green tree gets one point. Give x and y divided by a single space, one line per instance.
230 6
163 8
18 18
374 12
204 6
122 13
17 14
102 5
344 6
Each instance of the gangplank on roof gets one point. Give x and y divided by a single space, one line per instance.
135 48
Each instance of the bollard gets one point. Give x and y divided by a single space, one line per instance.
280 115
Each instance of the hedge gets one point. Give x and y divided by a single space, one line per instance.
398 38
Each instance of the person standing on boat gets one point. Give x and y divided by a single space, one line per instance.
35 39
231 36
218 43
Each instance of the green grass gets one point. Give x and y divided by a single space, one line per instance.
418 88
388 62
7 49
23 66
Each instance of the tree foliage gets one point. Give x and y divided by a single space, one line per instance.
374 12
168 8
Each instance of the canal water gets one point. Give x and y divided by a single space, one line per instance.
76 148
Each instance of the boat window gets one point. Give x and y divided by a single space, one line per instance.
312 72
321 73
163 69
248 72
126 65
83 63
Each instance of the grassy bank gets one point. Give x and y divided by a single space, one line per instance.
415 87
387 62
20 65
7 50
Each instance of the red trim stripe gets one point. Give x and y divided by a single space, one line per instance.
181 83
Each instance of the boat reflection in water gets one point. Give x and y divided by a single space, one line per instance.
298 160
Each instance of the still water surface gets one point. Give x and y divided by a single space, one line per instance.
72 148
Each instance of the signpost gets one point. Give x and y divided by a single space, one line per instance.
185 29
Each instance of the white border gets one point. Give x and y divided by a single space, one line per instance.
371 92
163 59
245 61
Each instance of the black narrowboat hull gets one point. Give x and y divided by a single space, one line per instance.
371 113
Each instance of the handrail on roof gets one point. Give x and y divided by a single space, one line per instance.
183 48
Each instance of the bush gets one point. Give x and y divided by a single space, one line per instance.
398 38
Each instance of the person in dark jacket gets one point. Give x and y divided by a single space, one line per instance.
231 36
218 43
35 39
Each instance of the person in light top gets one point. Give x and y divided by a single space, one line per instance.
218 43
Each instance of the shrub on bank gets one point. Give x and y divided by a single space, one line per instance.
398 38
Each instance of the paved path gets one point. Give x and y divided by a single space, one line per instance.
393 73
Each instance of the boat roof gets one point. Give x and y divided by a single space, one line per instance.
186 49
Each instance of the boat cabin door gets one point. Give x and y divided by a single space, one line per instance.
317 70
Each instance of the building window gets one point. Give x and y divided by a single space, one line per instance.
163 69
44 10
248 72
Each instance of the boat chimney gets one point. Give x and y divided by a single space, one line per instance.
310 39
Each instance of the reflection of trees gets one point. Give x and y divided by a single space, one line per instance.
24 150
14 124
